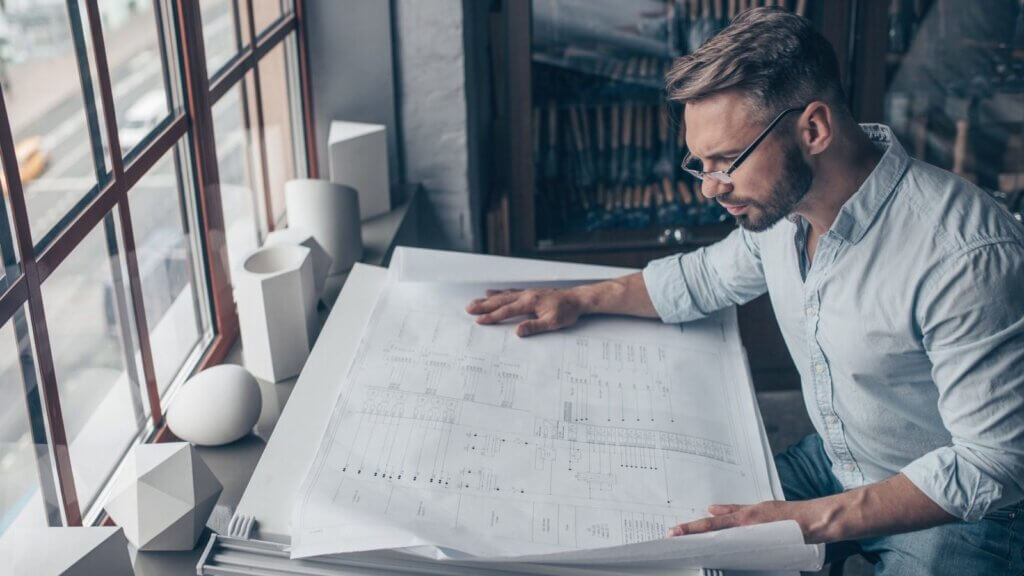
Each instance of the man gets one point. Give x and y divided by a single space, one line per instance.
899 289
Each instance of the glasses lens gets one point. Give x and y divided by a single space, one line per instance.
694 164
720 177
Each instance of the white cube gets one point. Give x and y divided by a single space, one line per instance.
359 158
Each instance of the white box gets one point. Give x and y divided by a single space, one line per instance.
359 158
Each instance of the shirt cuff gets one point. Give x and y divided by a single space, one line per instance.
668 290
954 483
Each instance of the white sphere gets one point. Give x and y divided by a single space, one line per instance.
217 406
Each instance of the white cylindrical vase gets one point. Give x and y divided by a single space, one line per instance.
276 297
331 213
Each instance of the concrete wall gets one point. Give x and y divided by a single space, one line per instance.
432 106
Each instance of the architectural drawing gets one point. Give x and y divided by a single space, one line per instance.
466 438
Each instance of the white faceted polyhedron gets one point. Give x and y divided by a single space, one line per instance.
301 237
75 551
163 496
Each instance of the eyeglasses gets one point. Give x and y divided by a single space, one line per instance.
695 166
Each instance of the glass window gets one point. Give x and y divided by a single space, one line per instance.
52 91
265 12
89 325
238 165
281 130
47 110
9 264
172 279
224 31
139 75
23 454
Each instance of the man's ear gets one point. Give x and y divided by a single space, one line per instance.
815 128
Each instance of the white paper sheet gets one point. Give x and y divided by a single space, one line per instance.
470 443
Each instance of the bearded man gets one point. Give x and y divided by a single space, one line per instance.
899 289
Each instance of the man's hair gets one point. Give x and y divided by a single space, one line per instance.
774 57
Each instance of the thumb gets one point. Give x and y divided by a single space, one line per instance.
530 327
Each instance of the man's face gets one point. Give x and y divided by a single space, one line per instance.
770 183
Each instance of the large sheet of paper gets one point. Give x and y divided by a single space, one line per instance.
462 442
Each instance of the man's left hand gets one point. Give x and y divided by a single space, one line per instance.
807 513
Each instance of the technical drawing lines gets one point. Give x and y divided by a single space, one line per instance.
401 404
634 438
697 446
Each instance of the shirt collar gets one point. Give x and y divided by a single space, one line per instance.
860 210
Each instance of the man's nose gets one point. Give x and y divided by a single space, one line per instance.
711 187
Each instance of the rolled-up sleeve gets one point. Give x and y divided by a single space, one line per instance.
972 322
689 286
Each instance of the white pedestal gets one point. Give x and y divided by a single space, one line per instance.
275 294
359 158
331 213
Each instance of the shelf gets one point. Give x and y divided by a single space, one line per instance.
642 72
637 238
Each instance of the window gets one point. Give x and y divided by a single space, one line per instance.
143 147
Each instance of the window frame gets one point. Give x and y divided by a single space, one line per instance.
193 127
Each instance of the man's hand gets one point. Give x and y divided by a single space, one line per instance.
891 506
809 514
552 309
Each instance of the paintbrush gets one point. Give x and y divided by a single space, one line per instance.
602 158
627 142
664 167
614 169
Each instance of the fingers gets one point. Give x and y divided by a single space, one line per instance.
505 312
708 524
492 302
492 292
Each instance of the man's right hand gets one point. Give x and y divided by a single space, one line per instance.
550 308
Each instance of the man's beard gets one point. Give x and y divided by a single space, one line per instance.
787 192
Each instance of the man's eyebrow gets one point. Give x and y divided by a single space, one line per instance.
729 153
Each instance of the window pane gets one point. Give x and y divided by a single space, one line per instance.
90 334
265 12
22 460
9 266
223 32
47 112
172 282
280 128
238 165
131 34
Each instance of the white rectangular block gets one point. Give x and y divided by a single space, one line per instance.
359 158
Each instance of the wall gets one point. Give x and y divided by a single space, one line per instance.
352 70
433 107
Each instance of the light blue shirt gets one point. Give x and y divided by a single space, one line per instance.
907 328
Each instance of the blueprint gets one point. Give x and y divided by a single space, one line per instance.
471 443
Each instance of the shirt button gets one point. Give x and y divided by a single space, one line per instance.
848 467
819 368
832 420
810 311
